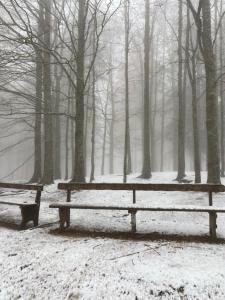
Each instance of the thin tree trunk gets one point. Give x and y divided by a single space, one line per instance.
163 110
181 117
67 134
127 150
112 124
104 138
92 176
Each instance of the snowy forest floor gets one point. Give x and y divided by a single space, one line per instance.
170 257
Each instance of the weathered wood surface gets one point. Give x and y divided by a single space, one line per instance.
183 208
29 211
18 203
216 188
20 186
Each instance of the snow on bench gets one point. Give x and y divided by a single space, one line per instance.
64 208
29 211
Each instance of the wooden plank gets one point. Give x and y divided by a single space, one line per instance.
18 186
19 203
186 208
143 187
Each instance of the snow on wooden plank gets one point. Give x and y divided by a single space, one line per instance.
34 187
143 187
17 203
187 208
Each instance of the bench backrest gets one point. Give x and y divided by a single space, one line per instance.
143 187
18 186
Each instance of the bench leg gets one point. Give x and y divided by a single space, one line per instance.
212 224
133 221
29 213
64 217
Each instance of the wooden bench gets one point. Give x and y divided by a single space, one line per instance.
64 208
29 211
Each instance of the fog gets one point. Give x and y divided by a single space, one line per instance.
97 87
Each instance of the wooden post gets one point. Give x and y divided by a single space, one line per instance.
212 219
64 217
210 199
68 196
133 220
38 198
134 197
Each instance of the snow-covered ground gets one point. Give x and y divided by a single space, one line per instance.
98 258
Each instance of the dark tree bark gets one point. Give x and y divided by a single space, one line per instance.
38 101
146 168
92 176
175 115
181 116
222 119
47 84
57 124
213 156
79 168
204 28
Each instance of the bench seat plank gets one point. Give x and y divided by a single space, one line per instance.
181 208
19 203
143 187
19 186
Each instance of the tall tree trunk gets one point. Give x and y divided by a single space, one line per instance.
38 101
127 150
181 117
79 168
175 115
222 119
104 137
92 176
153 95
163 110
146 168
67 134
213 156
57 125
191 63
87 108
48 132
112 124
197 160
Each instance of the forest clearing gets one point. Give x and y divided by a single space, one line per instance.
169 257
112 149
